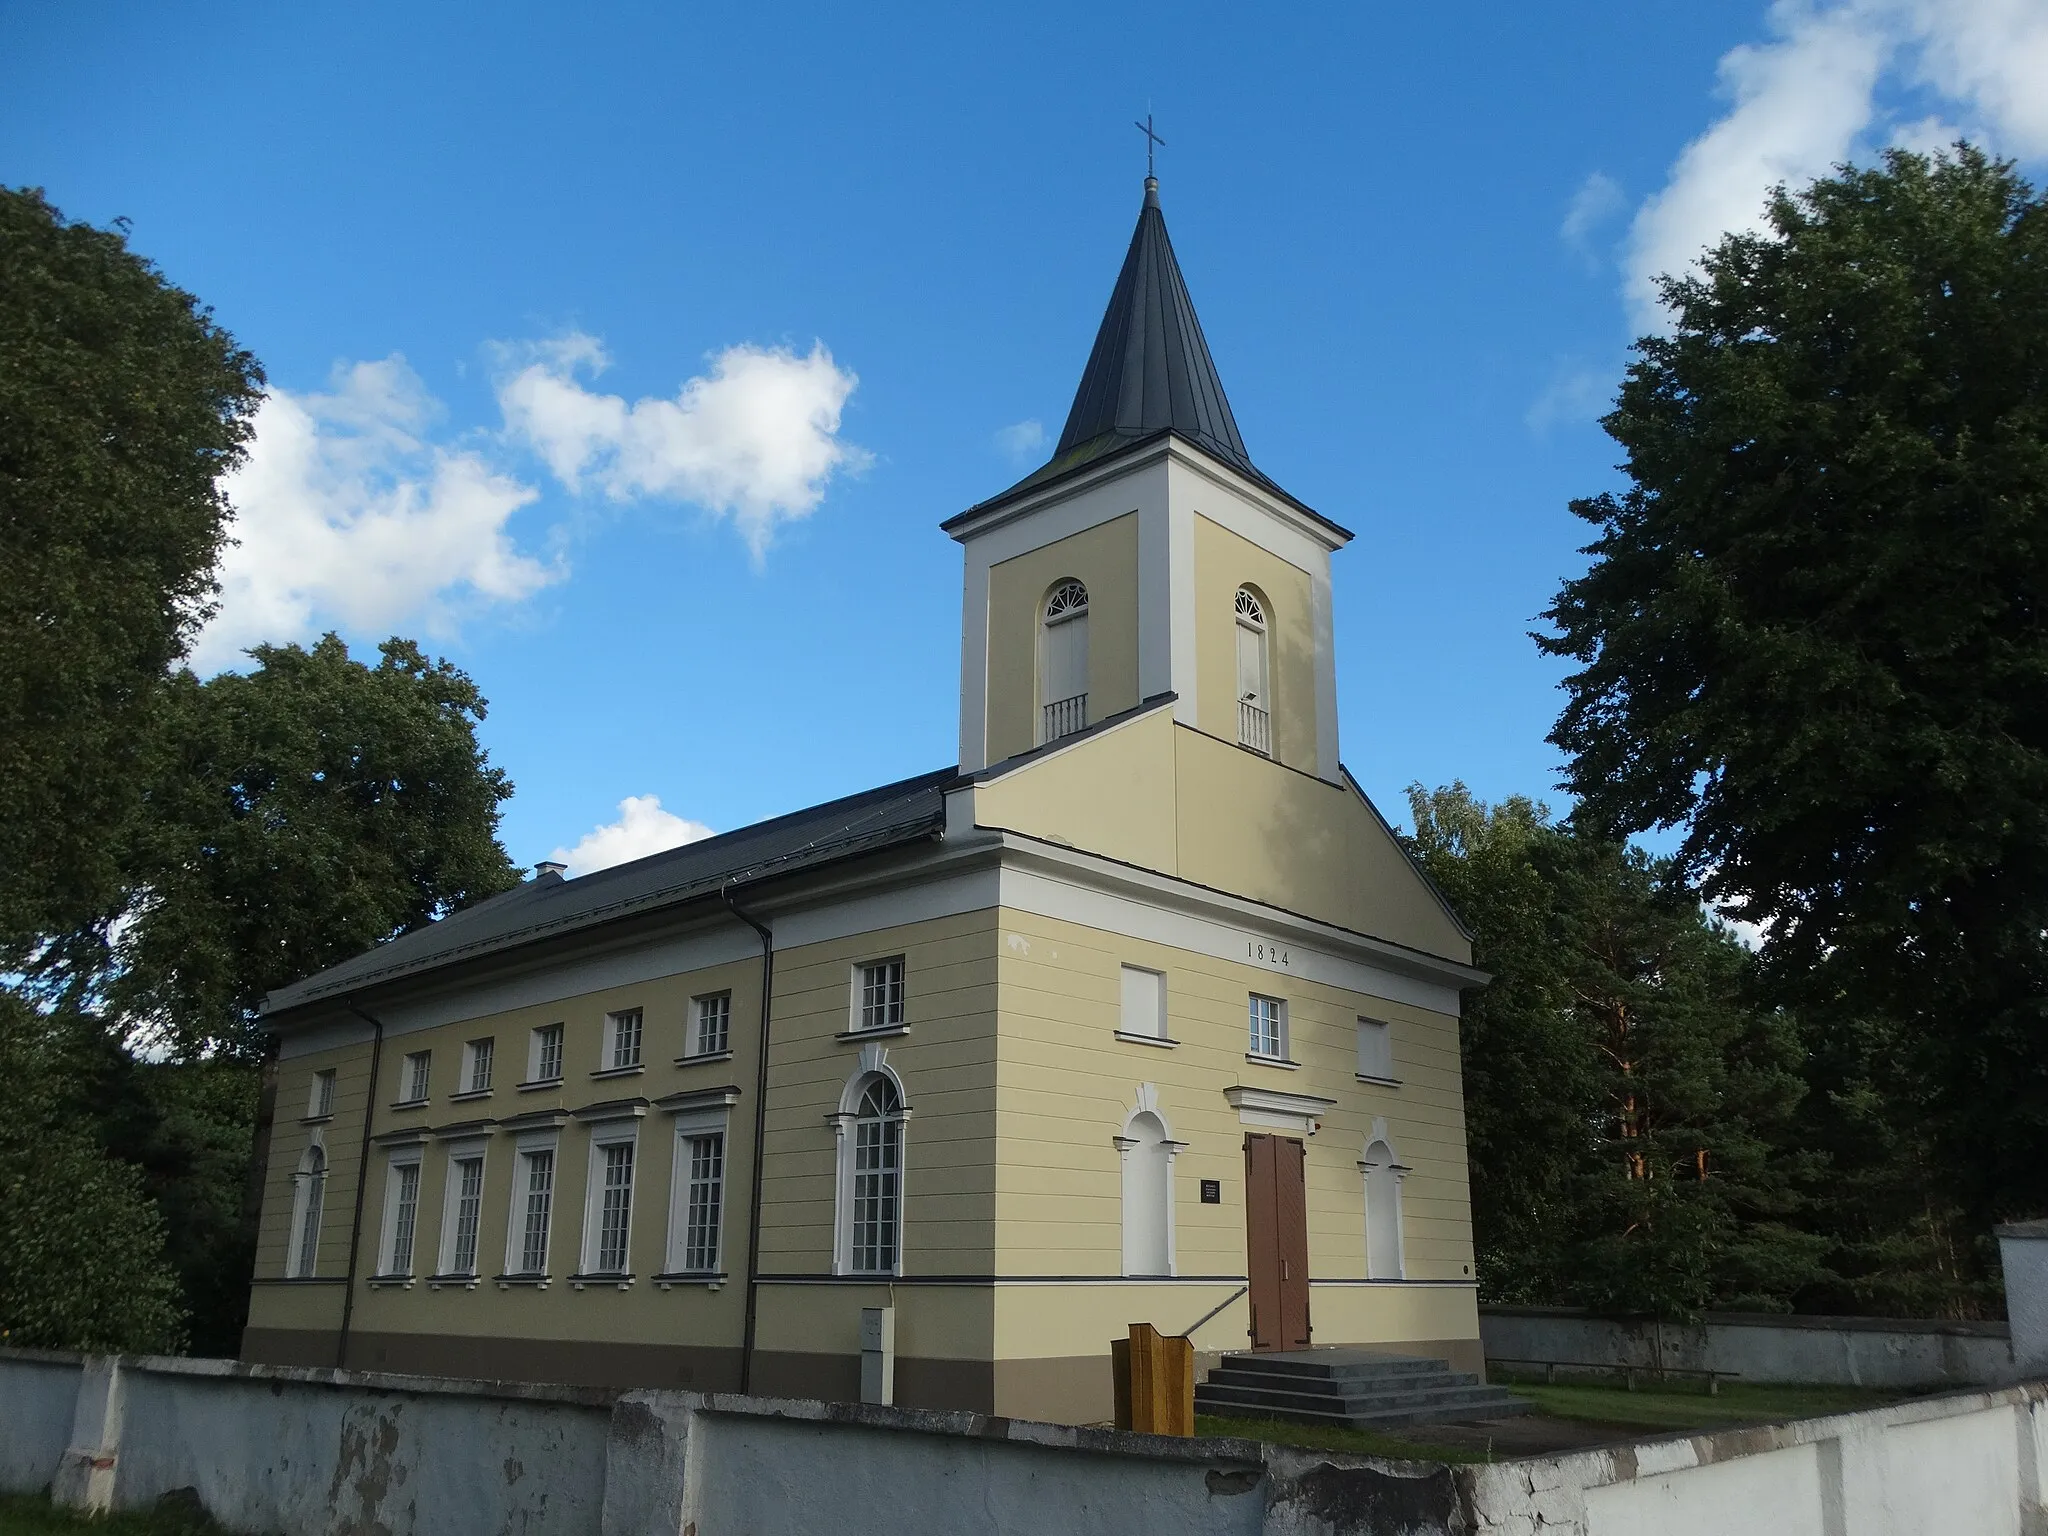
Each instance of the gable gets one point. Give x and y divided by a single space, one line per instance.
1179 802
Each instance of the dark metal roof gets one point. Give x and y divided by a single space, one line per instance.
1150 374
1151 370
548 905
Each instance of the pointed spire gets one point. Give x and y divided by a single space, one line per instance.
1150 370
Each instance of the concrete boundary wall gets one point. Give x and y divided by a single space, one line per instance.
326 1453
1763 1346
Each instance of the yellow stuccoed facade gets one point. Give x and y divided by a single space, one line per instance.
1147 920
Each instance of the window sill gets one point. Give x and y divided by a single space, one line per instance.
621 1282
633 1071
1379 1082
436 1282
538 1282
1158 1040
379 1282
692 1277
1273 1061
692 1061
538 1084
464 1098
410 1103
879 1032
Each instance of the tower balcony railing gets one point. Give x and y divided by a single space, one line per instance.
1254 728
1066 716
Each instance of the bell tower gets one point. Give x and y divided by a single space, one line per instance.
1149 557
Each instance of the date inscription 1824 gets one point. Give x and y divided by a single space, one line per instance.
1275 955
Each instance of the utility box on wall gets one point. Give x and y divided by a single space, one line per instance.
878 1354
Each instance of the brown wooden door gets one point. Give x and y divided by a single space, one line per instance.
1276 1241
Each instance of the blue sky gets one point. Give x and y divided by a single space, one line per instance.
630 355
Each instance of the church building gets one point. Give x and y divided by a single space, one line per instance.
1138 1013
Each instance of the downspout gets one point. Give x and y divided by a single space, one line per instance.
748 1332
355 1230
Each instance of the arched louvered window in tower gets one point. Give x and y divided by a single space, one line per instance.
1254 705
1063 662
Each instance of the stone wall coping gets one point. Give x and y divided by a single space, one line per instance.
1990 1329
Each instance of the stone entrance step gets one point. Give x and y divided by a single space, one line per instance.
1349 1387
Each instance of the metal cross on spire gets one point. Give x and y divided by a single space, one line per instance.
1152 141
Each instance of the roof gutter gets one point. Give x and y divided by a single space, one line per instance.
750 1328
355 1230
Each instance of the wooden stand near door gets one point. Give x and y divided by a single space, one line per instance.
1276 1241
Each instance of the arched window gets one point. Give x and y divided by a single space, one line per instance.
309 1196
1254 705
1383 1175
870 1128
1063 662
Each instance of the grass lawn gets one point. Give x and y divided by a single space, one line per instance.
24 1516
1668 1406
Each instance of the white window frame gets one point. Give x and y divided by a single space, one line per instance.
1130 1140
536 1053
698 1007
689 1126
1135 1021
419 1077
857 1010
1049 623
1376 1051
874 1064
523 1152
624 1131
1381 1175
1254 628
461 1152
480 1053
1252 1052
309 1211
320 1095
410 1156
615 1036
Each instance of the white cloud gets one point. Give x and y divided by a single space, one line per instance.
1022 439
643 827
1810 98
346 515
1597 200
1576 393
756 438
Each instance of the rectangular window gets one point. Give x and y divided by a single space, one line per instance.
1144 1011
402 1192
477 1057
703 1157
622 1040
544 1064
418 1068
881 994
615 1207
714 1025
1268 1027
466 1209
320 1103
1376 1049
533 1197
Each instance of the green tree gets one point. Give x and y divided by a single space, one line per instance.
1629 1103
82 1262
121 405
1815 628
300 814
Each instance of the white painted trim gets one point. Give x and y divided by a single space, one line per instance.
974 620
692 1123
1068 894
874 1062
473 1148
1254 514
523 1147
302 1187
1181 579
998 528
1329 759
1146 1102
407 1155
1269 1107
622 1130
1155 601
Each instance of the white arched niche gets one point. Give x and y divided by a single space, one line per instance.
1148 1149
1382 1172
